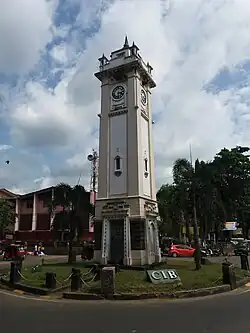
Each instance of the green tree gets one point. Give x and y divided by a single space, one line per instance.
73 200
183 180
208 194
169 211
208 201
7 216
233 183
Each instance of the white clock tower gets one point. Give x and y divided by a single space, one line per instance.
126 210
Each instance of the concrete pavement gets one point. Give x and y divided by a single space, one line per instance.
32 260
218 260
225 313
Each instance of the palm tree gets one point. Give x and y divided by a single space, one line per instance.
184 176
73 200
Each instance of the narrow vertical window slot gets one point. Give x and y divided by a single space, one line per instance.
118 171
145 167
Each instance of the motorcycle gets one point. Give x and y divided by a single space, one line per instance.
204 252
216 252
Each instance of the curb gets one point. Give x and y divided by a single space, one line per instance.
22 288
162 295
19 289
82 296
23 293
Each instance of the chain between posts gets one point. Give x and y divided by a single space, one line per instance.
86 283
23 277
90 271
64 281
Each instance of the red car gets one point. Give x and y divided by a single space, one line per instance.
181 251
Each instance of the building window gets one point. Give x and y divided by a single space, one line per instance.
29 204
145 167
118 171
118 163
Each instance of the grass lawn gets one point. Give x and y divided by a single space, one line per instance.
135 281
207 276
37 278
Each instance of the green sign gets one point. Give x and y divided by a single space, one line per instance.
163 276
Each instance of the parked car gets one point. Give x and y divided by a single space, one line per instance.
181 250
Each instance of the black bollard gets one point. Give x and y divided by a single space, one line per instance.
19 263
72 257
50 280
244 262
76 281
203 261
97 272
14 273
228 274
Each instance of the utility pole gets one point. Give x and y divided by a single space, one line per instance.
195 224
93 158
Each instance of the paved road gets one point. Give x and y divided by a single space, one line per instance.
32 260
234 259
226 313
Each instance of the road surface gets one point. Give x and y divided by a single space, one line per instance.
234 259
32 260
227 313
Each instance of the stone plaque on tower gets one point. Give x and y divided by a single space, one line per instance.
126 208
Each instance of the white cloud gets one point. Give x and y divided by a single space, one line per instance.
187 48
59 53
44 119
186 45
5 147
24 32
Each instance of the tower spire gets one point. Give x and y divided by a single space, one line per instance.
126 44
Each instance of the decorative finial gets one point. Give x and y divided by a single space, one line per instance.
126 44
134 48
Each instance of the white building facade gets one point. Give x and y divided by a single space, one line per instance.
126 230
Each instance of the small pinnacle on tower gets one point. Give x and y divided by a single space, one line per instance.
126 44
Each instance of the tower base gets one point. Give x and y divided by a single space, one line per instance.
126 235
138 258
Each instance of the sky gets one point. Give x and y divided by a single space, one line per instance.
49 97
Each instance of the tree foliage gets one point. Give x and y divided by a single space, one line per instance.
7 216
74 201
222 193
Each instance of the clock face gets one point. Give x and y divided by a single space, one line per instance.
118 92
143 97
